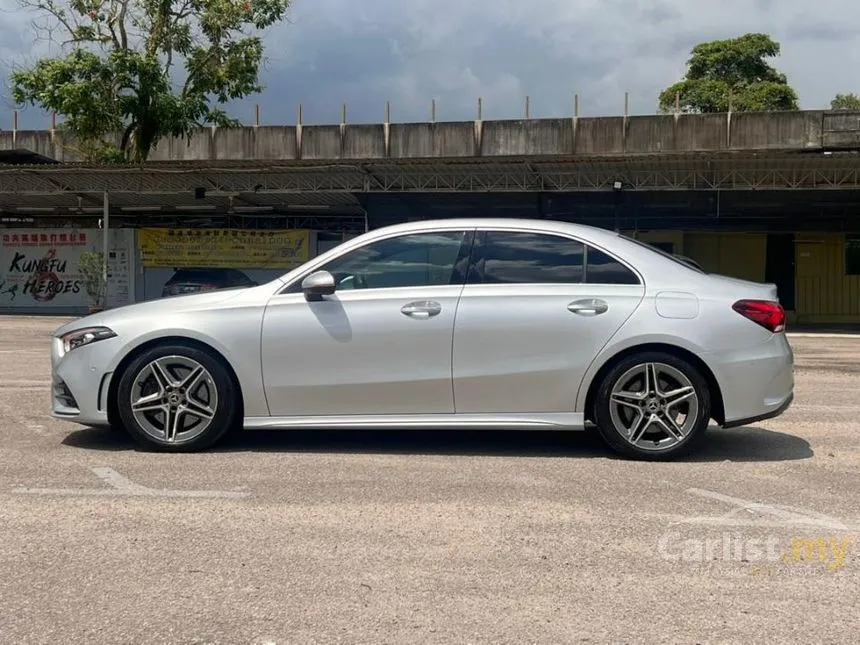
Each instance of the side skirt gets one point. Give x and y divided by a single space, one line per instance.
520 421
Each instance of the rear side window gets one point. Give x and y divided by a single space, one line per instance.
659 251
530 258
604 269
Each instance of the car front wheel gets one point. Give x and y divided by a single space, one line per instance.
652 406
176 398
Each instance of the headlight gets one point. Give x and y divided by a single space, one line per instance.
81 337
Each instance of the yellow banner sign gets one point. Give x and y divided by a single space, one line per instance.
223 248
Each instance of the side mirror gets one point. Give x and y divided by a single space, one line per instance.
317 285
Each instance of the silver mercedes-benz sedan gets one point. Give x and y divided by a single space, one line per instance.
453 324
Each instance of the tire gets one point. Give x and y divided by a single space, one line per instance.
202 409
620 401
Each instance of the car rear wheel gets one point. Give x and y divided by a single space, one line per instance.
653 406
176 398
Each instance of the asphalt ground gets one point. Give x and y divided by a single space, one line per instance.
430 537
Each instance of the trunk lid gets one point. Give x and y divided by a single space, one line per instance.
747 288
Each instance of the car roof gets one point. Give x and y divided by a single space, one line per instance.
593 232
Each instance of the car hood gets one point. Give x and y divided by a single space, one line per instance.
152 308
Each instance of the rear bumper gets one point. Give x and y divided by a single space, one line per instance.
756 383
761 417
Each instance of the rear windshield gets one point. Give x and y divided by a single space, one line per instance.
660 251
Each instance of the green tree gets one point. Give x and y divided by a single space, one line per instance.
732 72
91 266
845 102
145 69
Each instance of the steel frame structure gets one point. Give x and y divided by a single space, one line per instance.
531 179
719 171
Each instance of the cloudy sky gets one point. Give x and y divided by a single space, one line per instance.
366 52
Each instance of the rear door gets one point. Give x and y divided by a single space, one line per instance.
536 309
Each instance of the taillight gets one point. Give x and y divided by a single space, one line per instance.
767 313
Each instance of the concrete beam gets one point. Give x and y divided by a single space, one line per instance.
527 137
417 140
841 130
780 131
575 136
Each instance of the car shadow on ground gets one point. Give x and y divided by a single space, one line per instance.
753 444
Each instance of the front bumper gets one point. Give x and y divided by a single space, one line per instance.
80 381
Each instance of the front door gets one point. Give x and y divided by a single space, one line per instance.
381 344
536 310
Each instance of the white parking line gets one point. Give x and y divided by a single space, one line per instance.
122 486
750 513
814 406
803 334
36 428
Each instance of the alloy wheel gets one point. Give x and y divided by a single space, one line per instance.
654 406
174 399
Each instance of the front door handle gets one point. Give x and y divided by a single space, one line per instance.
422 309
588 307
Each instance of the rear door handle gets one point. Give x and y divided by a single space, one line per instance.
422 309
588 307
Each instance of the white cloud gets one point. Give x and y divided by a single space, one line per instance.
411 51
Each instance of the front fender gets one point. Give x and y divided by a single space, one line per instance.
241 352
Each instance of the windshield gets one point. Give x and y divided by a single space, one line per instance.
660 251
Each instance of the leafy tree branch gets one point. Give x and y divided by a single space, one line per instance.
845 102
145 69
733 73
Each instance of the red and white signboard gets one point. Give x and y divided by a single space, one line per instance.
40 267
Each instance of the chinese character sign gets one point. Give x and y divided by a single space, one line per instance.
39 267
224 248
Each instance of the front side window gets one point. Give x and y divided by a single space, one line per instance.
530 258
416 260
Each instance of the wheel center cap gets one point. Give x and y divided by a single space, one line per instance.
653 405
174 398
